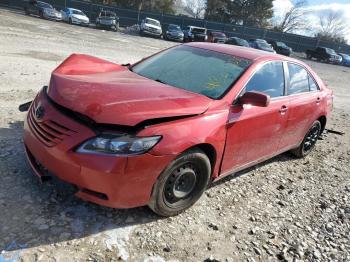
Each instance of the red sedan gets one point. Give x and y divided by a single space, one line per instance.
158 132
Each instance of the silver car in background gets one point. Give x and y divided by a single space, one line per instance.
75 16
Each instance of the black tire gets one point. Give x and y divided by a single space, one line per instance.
308 56
70 21
309 140
181 184
41 14
26 11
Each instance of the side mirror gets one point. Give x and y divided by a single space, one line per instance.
255 99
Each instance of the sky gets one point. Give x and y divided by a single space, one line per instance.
315 8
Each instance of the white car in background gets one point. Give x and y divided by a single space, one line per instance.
150 26
75 16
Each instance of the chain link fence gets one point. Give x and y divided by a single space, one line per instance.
128 17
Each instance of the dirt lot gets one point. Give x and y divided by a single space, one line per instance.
284 209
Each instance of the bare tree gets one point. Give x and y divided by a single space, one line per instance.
197 7
333 26
294 19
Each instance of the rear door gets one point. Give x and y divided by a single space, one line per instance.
305 104
254 133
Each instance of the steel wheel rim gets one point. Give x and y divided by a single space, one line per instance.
181 185
311 138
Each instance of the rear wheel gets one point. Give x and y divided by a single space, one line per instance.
70 21
181 184
41 14
308 56
26 11
309 140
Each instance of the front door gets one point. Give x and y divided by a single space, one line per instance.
254 133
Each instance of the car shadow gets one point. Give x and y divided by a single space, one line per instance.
34 214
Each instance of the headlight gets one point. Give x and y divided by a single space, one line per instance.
119 144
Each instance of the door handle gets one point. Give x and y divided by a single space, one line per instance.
283 109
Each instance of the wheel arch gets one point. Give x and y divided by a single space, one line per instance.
209 150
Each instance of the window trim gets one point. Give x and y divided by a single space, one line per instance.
254 72
309 75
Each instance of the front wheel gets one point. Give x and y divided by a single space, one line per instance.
309 140
181 184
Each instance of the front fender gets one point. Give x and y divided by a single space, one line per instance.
179 135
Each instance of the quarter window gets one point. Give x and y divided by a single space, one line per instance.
299 79
312 84
269 80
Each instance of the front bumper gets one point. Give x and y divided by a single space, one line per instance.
175 37
52 17
119 182
153 33
80 22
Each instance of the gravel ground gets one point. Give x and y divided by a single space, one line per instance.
284 209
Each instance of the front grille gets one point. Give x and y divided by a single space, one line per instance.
49 132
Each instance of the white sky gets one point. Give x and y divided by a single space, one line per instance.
314 11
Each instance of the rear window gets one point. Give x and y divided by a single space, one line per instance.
197 70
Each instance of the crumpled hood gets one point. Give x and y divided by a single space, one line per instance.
111 94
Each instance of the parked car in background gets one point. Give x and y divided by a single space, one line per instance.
281 48
324 54
237 41
174 32
42 9
345 59
75 16
216 37
158 132
107 20
150 26
261 44
195 34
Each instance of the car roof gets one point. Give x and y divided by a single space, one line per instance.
243 52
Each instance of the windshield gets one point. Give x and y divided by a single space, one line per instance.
152 22
107 14
174 28
330 51
77 12
197 70
198 30
281 44
219 34
345 56
242 42
45 5
263 45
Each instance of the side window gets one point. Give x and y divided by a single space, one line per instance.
312 84
269 79
299 79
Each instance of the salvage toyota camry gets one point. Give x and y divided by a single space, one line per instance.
159 131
